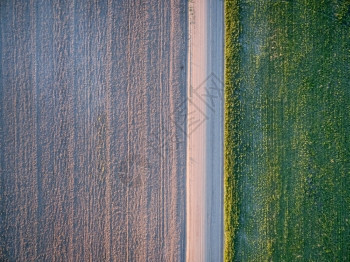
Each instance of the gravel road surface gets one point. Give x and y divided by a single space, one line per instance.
205 132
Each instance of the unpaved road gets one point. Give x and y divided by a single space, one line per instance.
205 132
92 118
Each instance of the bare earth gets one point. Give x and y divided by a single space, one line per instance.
92 141
205 132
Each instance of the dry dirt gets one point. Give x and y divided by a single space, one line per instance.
92 130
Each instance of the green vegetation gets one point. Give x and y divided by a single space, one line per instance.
287 130
231 125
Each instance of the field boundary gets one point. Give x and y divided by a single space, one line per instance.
231 121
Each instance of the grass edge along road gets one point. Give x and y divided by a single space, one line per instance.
231 71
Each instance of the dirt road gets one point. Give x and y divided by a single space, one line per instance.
92 143
205 132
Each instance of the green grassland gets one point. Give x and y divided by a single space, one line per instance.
287 130
231 143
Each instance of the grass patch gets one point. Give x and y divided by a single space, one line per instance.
287 129
231 125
